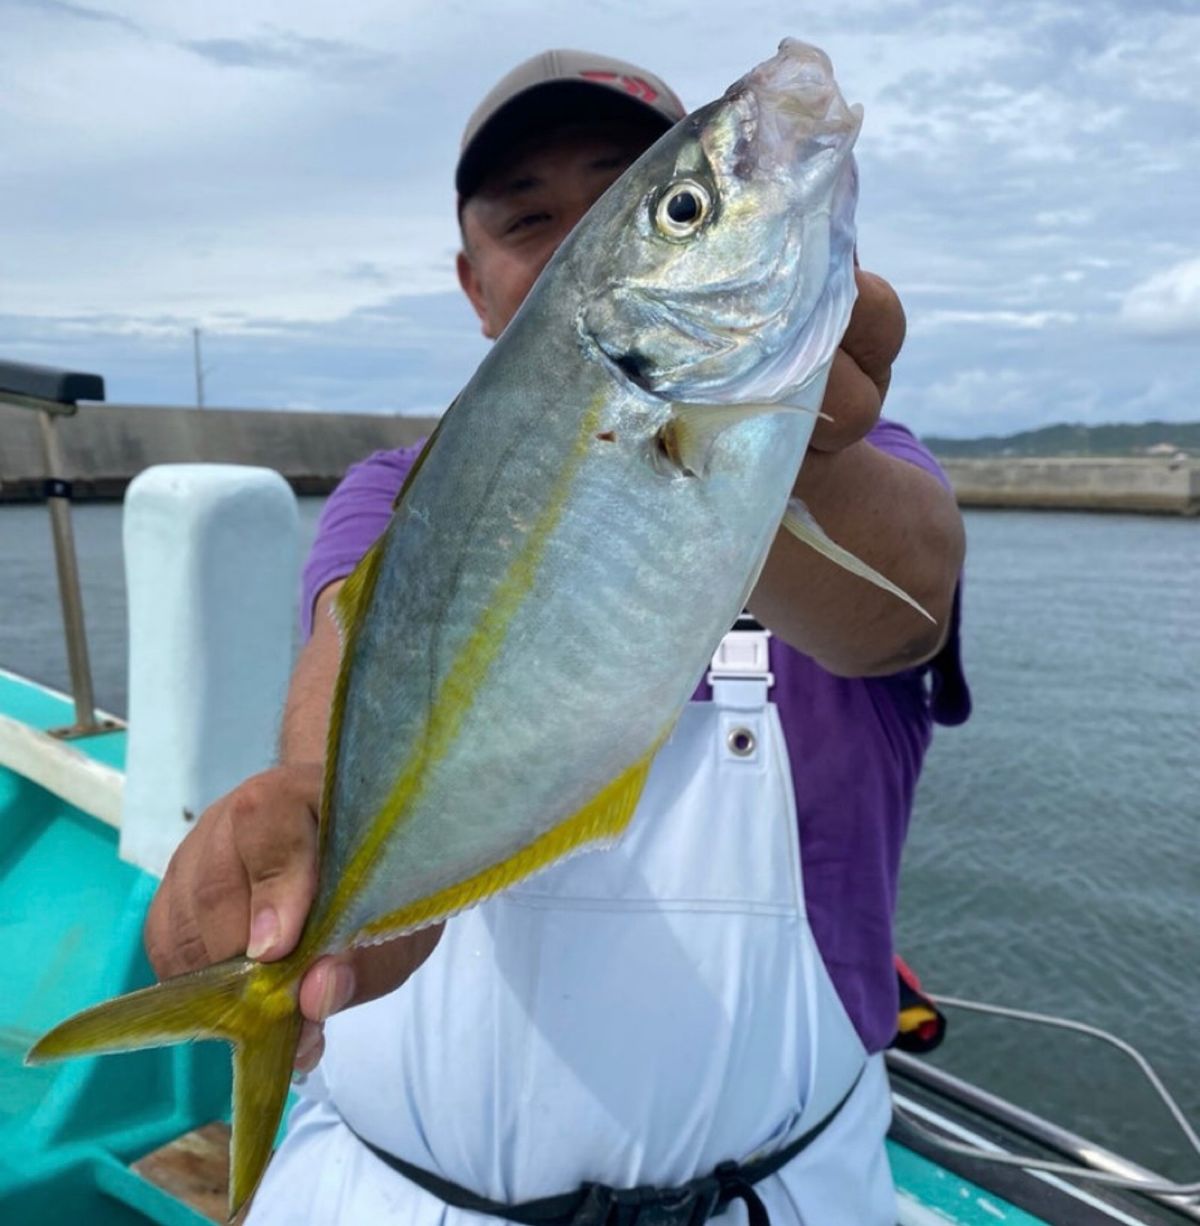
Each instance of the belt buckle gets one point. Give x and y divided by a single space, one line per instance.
689 1205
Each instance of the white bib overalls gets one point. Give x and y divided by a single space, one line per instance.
631 1016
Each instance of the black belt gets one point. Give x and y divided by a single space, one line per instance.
596 1204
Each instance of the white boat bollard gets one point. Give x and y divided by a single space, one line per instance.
212 557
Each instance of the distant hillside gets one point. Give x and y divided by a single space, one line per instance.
1164 437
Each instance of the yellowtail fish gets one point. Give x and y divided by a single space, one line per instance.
580 532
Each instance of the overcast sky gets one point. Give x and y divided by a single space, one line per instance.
278 173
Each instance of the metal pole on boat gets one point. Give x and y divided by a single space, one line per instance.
58 499
199 365
55 393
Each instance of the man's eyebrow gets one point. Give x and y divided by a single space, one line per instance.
520 183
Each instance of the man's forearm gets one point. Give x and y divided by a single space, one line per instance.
306 713
898 519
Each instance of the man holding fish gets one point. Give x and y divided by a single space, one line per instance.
700 1009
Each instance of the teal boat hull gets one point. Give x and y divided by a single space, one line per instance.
71 915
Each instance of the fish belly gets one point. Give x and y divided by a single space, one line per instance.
537 629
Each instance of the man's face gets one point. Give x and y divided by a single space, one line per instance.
529 204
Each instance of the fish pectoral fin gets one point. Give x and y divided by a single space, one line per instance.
688 437
600 822
249 1005
798 520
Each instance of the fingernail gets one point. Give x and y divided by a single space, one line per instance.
309 1039
264 933
339 988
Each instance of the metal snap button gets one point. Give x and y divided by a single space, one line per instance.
741 742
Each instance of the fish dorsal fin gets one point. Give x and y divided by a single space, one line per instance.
350 604
688 437
798 520
599 823
416 467
349 608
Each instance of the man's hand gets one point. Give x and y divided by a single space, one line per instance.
898 518
243 882
862 366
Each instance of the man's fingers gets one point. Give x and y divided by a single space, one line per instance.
198 915
310 1047
852 405
275 829
862 367
245 879
876 330
328 986
337 982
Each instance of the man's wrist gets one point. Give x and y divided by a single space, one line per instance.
819 471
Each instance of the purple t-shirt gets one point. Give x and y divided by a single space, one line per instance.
856 746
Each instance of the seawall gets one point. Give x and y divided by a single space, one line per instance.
1156 485
106 445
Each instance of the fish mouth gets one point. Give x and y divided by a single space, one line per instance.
788 107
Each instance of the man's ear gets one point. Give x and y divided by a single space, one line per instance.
469 280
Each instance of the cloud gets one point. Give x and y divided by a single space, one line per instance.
997 319
1057 219
1165 304
402 354
286 50
280 175
80 12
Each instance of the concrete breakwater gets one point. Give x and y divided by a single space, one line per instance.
1157 485
106 445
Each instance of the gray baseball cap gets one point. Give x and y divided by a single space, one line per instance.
558 87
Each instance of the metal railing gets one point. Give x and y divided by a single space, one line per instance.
1089 1162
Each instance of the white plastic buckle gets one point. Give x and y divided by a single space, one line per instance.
744 654
740 672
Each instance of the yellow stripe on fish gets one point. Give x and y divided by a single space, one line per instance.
601 820
452 702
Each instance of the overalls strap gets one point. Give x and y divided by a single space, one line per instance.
597 1204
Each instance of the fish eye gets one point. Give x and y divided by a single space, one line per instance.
682 209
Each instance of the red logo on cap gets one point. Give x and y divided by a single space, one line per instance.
636 86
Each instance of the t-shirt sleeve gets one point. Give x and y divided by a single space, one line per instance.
899 441
352 520
949 694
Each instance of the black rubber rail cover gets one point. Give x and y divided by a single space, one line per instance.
49 383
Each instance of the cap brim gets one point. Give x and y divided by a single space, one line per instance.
543 107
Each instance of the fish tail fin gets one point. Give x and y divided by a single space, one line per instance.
262 1076
249 1004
